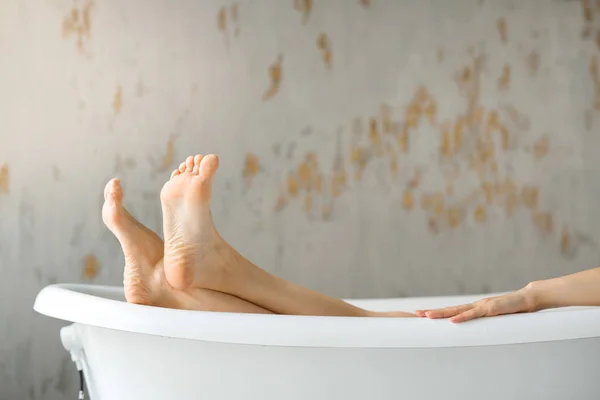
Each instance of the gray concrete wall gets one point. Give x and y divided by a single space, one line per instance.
368 148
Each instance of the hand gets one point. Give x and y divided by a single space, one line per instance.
515 302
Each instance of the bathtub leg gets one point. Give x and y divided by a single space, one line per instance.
69 336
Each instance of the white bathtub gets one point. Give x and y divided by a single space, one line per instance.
135 352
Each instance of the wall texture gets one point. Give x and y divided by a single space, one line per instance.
368 147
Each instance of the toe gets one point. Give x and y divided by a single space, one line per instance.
189 164
108 188
182 167
208 167
197 160
175 173
113 191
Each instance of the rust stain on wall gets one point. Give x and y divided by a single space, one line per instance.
275 76
304 7
359 159
324 45
480 214
91 265
251 167
338 181
4 179
117 103
408 201
433 225
477 135
504 79
595 75
293 186
455 215
394 168
433 203
222 19
541 147
533 62
386 119
281 203
446 144
305 173
307 203
422 104
375 137
78 23
169 156
502 30
529 196
365 3
543 221
588 14
415 181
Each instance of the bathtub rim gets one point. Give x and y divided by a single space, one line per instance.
74 303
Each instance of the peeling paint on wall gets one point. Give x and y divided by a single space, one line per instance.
541 147
504 79
169 157
251 167
117 100
222 19
533 62
501 26
544 222
305 8
78 23
4 179
595 76
275 76
91 265
324 46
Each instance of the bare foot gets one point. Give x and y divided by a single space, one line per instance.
195 254
197 257
144 279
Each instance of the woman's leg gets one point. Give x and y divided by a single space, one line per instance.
144 278
196 256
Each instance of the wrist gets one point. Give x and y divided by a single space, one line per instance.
534 296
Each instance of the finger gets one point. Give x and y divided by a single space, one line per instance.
448 311
421 313
473 313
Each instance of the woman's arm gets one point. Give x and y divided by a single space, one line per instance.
579 289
